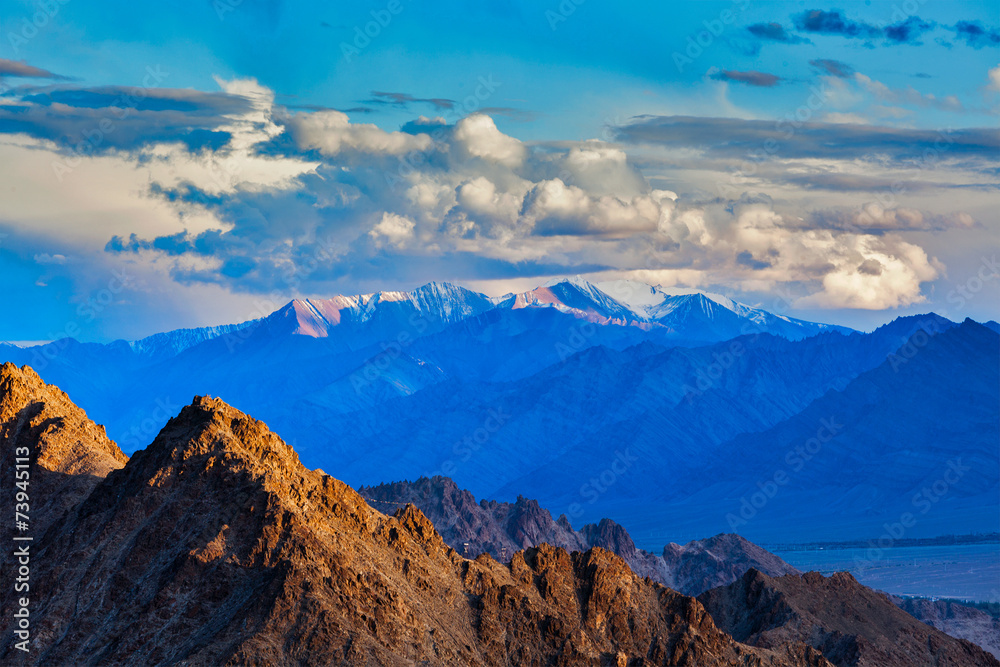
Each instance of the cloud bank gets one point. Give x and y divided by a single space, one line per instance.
232 193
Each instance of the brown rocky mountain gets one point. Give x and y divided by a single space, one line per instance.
499 528
214 545
69 454
957 620
850 623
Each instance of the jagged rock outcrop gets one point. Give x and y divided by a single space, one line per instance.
499 528
716 561
69 454
849 623
214 545
957 620
488 526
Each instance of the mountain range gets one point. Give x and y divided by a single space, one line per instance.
215 545
502 529
668 411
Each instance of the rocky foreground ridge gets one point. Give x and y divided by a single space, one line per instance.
499 528
713 563
850 623
214 545
69 453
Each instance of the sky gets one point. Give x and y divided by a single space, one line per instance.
204 162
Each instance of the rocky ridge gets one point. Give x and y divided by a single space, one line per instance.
69 454
499 528
852 625
957 620
214 545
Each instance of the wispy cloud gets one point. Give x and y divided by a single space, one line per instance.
405 99
975 35
20 68
520 115
118 117
751 78
907 96
833 67
737 137
774 32
833 22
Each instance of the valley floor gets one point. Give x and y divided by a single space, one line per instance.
962 572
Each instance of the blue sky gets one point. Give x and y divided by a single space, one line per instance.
163 168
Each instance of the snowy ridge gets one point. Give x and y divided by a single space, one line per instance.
688 316
442 302
174 342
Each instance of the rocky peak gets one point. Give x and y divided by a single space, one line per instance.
420 528
69 453
210 428
609 535
849 623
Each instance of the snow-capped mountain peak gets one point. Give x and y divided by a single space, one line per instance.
689 314
440 302
580 298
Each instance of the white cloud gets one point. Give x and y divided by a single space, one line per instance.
334 135
601 168
874 273
392 230
875 216
552 207
475 191
994 79
46 258
478 136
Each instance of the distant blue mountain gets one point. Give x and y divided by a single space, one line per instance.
907 449
616 399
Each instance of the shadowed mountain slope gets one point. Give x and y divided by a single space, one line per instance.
851 624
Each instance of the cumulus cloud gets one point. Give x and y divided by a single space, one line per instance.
755 247
394 230
333 135
302 202
478 136
553 208
601 168
481 207
874 274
